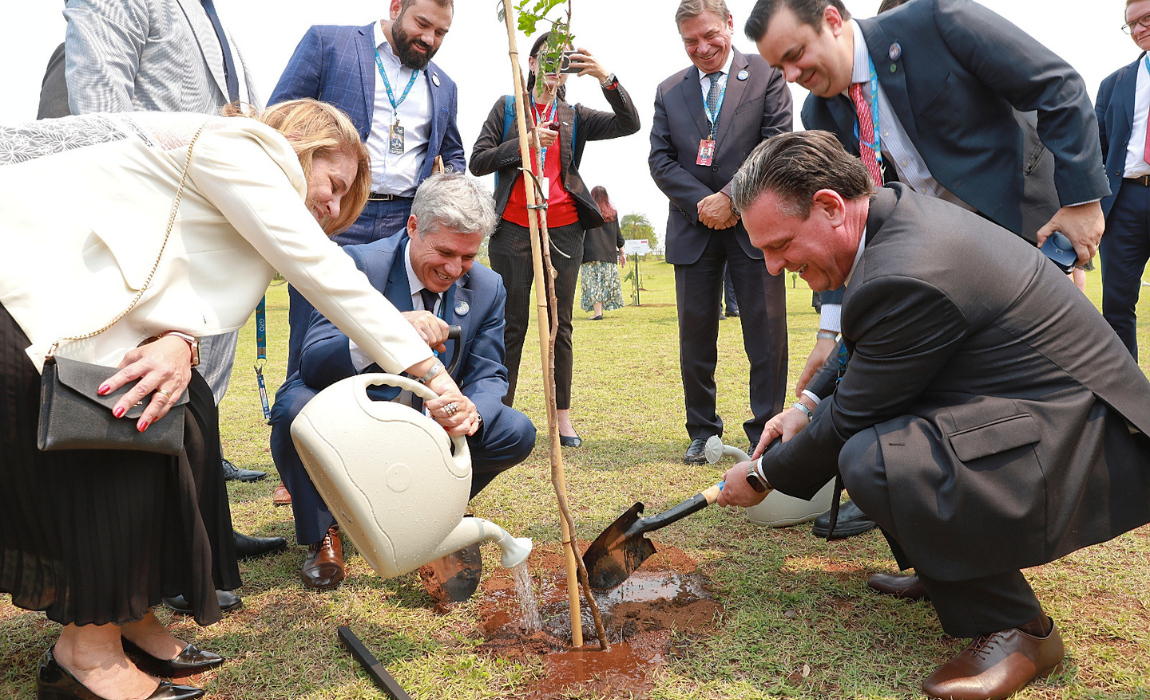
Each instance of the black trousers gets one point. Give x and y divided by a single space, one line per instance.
1124 251
763 307
966 608
510 255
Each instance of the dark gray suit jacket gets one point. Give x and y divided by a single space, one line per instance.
997 390
753 110
960 69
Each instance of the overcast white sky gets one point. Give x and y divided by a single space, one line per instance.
636 39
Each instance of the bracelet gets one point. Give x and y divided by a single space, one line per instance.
192 341
431 373
803 407
827 335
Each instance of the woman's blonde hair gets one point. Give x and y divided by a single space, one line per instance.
316 128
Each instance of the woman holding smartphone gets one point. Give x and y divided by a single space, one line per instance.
563 131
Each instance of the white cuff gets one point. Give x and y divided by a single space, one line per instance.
830 319
359 359
812 397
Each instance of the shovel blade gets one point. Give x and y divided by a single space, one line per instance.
615 554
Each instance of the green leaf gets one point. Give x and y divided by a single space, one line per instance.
500 11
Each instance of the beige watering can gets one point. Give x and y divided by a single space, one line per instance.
388 475
777 509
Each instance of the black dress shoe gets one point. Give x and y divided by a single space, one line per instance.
733 314
228 602
55 683
234 473
570 441
696 453
899 586
851 522
248 547
189 662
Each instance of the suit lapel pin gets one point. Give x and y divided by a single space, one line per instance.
435 79
462 308
895 51
742 75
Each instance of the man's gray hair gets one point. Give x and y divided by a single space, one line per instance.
690 9
454 201
797 165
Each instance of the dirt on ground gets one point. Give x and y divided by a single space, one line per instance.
665 600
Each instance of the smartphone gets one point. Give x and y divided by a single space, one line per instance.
1060 251
565 63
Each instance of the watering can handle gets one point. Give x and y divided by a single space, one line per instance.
363 381
455 333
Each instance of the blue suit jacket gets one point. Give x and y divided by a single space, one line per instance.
337 65
959 71
1115 111
481 375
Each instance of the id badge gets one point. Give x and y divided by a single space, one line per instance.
395 140
546 187
706 152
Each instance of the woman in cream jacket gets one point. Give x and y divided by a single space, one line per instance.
95 538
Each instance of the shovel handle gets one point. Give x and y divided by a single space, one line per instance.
692 505
712 493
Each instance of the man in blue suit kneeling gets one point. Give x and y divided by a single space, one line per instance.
430 274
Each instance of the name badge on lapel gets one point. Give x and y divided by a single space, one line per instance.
706 152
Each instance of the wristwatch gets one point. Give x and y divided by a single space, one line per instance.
192 341
806 411
753 479
609 83
431 373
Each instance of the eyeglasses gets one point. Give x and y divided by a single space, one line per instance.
1143 21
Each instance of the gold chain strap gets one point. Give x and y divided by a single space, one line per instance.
156 266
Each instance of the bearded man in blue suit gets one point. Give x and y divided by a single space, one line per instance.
430 274
403 105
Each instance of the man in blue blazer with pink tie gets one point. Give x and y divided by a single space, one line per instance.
1122 108
404 106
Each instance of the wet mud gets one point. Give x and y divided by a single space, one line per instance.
666 600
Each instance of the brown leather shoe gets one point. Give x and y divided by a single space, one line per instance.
323 567
899 586
281 497
996 666
454 578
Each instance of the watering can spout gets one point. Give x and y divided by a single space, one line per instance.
472 530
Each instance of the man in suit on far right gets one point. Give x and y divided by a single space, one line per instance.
1122 107
942 114
708 117
984 434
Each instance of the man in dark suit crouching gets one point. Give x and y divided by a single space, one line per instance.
430 274
984 414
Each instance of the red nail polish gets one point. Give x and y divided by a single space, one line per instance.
119 412
142 426
103 390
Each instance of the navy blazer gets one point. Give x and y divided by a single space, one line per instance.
1115 111
958 71
754 110
481 375
337 65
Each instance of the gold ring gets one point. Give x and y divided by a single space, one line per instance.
165 393
450 409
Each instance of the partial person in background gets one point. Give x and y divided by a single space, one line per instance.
96 538
164 56
730 301
708 117
54 88
402 103
1122 107
915 95
602 257
563 132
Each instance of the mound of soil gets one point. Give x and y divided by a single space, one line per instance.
665 598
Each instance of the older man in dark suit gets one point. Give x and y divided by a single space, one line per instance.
983 433
707 119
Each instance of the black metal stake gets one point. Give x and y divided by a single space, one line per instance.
370 664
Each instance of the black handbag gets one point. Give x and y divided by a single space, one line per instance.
73 416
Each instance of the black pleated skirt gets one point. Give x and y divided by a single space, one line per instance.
100 536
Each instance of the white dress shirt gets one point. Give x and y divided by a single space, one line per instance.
705 82
1136 165
361 360
390 173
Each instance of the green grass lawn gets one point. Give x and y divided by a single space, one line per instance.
790 600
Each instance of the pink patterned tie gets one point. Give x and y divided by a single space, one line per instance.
866 133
